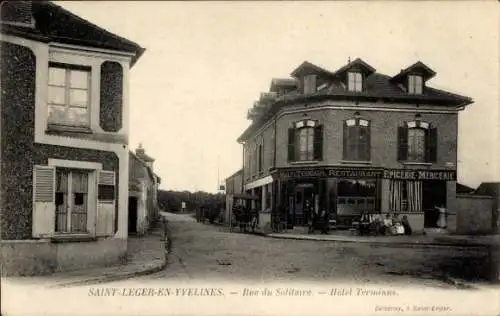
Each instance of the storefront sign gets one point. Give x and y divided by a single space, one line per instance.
331 173
358 173
446 175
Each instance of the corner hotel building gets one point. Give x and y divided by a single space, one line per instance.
350 141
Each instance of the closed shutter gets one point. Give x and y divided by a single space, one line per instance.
368 147
106 203
431 145
402 143
345 137
318 142
43 201
291 144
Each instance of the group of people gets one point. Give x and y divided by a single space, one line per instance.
318 219
390 225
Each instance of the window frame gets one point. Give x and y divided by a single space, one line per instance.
309 143
353 87
314 135
360 154
68 68
414 86
417 156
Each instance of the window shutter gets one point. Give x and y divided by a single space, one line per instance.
368 146
106 203
291 144
111 96
44 185
431 144
318 142
345 137
402 143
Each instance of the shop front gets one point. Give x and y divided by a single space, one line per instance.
421 193
346 193
343 193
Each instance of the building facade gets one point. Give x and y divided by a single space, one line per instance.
351 141
234 185
64 132
143 209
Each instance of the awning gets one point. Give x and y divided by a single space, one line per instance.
245 196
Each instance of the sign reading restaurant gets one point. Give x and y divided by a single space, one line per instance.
354 173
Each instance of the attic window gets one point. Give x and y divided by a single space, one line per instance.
309 84
415 84
355 81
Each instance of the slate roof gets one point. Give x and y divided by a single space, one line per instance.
56 24
377 87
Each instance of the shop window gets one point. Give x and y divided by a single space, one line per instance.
356 139
417 142
305 141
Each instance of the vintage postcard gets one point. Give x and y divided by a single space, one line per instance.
250 158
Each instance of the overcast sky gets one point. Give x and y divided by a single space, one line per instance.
206 62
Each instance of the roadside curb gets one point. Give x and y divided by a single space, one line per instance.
442 243
153 268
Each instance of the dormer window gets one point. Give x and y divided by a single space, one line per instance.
355 81
309 84
415 84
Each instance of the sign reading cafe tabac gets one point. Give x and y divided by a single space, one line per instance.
354 173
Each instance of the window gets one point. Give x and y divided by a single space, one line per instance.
305 141
69 96
415 84
355 81
71 201
356 139
261 157
417 142
309 84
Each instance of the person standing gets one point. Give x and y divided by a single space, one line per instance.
441 222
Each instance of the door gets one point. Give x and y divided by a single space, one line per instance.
299 206
132 215
71 201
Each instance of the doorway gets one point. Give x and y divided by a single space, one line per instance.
132 215
434 194
71 199
304 203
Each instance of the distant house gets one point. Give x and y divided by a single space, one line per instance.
492 189
234 185
64 153
143 209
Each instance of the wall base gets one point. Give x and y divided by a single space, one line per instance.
38 257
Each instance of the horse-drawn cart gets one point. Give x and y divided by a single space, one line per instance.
243 215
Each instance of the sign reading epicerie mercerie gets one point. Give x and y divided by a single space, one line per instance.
353 173
447 175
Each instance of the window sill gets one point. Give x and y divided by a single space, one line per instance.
54 128
416 163
305 162
356 162
65 238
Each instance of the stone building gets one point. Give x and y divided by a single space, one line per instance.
350 141
64 153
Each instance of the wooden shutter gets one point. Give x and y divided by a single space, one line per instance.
111 96
431 145
106 203
402 143
318 142
345 137
368 145
44 185
291 144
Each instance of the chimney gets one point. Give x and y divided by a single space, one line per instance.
140 150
